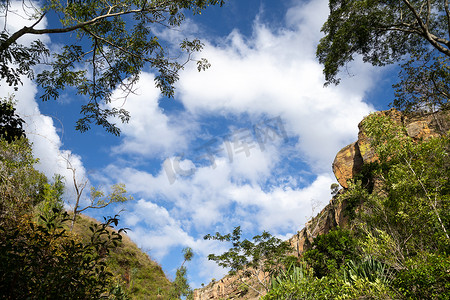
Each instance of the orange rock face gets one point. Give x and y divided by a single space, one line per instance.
349 161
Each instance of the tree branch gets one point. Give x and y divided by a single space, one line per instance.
113 45
16 35
428 196
31 30
432 39
78 189
94 207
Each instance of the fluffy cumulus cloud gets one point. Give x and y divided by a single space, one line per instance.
274 72
156 227
149 132
169 217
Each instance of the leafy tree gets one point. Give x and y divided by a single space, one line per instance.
98 199
424 83
330 251
111 42
382 31
260 260
180 286
21 186
415 175
334 189
46 262
10 123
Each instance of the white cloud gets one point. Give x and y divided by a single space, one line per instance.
283 209
179 215
149 130
157 230
212 199
275 73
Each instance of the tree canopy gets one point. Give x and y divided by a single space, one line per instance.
424 83
10 123
382 31
110 43
259 260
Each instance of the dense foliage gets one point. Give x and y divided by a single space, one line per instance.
21 186
10 123
40 258
381 31
43 261
384 32
331 251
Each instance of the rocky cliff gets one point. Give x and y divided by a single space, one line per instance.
346 165
350 159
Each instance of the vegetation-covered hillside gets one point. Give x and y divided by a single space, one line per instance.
41 258
139 276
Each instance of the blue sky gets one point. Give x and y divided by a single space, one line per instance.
247 143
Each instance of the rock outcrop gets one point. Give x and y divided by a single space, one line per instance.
350 159
348 163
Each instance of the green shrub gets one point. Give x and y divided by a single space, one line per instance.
427 276
368 269
330 251
47 262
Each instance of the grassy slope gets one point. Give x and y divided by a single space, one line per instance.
143 277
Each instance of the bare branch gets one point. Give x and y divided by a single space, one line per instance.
79 188
94 207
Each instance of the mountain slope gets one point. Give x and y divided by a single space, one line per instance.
142 277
